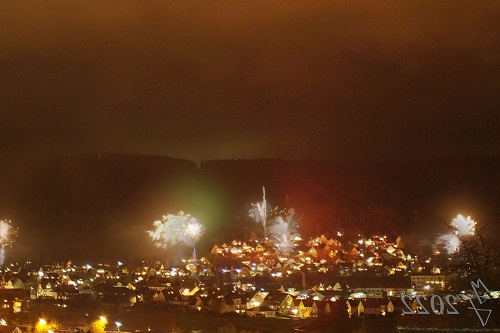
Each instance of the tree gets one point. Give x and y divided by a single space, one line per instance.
99 325
42 326
477 255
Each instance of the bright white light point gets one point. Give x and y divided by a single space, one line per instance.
193 229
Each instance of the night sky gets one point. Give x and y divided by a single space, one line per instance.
360 80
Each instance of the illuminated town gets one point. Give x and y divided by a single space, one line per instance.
324 277
243 166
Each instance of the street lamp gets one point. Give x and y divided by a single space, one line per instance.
103 319
42 322
118 324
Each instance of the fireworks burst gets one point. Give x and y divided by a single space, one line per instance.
259 212
7 233
7 237
464 226
284 223
168 230
284 244
192 231
461 227
450 242
284 231
172 229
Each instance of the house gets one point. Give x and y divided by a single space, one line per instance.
317 296
215 250
395 306
257 299
320 308
261 311
18 284
354 307
354 252
45 290
198 304
375 292
302 308
189 291
159 297
14 299
428 283
155 285
227 305
282 302
373 307
337 287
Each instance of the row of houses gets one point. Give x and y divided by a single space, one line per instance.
257 304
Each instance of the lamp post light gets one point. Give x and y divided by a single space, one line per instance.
118 324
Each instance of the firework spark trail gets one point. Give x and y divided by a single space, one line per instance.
284 244
7 237
192 232
259 212
283 225
464 226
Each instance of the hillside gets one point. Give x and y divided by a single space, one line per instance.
99 206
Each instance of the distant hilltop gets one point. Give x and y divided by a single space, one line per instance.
82 206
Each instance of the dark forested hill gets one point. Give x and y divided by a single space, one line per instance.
99 206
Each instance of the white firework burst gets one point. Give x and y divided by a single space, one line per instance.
7 233
168 230
463 226
283 244
284 232
450 242
7 237
259 212
192 231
